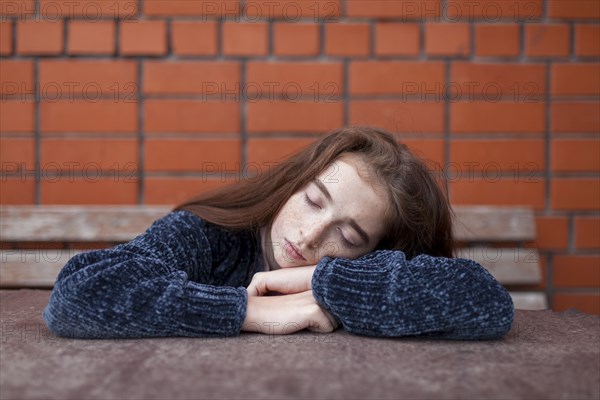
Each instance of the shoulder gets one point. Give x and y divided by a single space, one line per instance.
180 220
221 239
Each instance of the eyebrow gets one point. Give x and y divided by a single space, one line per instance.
352 222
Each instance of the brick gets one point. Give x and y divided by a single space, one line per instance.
89 155
575 194
397 39
587 40
90 190
447 39
521 159
465 190
143 38
430 151
520 83
166 77
182 8
85 116
390 77
266 154
17 8
574 117
192 155
491 11
347 39
97 37
573 9
90 10
302 116
191 116
39 37
245 39
404 9
293 10
294 80
16 79
89 80
497 40
575 79
552 233
171 190
587 232
17 116
497 117
191 38
586 303
576 271
17 156
546 40
6 38
295 39
575 155
398 116
17 190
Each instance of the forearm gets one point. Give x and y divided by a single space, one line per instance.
383 294
147 287
137 297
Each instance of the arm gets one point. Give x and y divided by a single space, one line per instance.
383 294
143 288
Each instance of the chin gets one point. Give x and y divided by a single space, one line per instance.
291 264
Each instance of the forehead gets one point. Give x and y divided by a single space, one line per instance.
354 197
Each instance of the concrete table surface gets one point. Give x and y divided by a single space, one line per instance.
546 355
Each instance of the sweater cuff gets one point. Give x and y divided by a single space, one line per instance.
213 310
320 281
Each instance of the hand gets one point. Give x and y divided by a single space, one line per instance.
283 281
287 314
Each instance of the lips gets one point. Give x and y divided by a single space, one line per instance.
293 251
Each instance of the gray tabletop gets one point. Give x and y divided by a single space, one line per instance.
546 355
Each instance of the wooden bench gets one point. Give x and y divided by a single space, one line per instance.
37 241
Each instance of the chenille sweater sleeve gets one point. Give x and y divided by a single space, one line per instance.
384 294
147 287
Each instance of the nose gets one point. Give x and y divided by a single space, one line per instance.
313 234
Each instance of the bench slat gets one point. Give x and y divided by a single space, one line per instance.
507 265
493 223
32 268
76 223
40 267
123 223
529 300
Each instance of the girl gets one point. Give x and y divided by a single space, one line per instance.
353 230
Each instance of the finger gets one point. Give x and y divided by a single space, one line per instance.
321 327
331 318
254 289
251 290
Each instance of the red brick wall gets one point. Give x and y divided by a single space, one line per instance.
146 102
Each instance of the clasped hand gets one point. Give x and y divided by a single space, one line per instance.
282 302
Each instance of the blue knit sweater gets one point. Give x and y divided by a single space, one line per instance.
187 277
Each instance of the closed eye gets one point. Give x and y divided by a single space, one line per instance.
311 203
345 241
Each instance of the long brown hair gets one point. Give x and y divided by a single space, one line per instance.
420 216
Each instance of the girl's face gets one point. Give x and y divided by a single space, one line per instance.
339 214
